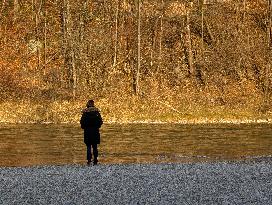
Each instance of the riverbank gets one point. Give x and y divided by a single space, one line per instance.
247 182
132 111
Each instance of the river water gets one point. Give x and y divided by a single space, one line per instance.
46 144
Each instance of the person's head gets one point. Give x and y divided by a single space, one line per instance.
90 103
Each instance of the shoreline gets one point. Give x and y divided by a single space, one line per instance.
182 122
178 160
191 161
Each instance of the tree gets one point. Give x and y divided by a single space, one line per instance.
68 45
137 90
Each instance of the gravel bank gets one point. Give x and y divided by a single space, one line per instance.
191 183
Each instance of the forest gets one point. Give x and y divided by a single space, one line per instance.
140 60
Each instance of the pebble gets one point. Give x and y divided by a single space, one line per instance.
160 184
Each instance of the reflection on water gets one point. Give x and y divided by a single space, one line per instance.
35 144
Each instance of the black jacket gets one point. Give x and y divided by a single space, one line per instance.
91 121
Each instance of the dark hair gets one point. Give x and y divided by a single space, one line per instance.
90 103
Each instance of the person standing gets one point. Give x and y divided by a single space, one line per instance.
91 121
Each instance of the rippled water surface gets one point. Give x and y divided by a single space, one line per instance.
36 144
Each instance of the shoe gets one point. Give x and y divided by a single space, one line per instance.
89 162
95 162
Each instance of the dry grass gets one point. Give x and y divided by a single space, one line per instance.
155 104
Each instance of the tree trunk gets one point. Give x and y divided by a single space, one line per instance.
153 44
189 45
269 29
68 46
138 47
37 6
116 35
45 40
202 27
160 40
82 45
209 30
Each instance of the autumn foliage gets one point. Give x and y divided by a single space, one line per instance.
196 53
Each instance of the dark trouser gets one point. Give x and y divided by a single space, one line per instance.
89 152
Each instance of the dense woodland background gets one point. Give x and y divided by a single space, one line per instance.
139 59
